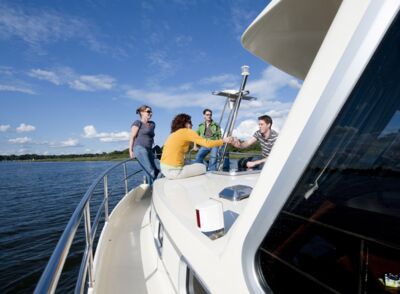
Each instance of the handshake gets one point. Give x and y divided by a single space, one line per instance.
233 141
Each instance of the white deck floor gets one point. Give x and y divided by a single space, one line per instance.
118 267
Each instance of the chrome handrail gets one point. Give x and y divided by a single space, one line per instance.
51 274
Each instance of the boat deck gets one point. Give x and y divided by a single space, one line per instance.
118 263
127 259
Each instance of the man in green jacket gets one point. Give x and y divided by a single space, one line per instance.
209 130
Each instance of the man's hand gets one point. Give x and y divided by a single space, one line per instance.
195 148
236 143
251 164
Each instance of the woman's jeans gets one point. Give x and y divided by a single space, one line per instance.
202 153
145 157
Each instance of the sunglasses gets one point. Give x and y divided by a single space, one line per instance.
148 111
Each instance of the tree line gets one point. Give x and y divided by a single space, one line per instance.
88 156
114 155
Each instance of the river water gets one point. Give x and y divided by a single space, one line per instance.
36 201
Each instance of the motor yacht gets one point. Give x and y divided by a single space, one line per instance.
322 216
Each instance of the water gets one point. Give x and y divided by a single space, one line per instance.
36 202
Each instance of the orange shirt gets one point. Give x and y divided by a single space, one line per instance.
178 143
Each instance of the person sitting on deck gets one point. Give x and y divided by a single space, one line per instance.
266 136
177 144
210 130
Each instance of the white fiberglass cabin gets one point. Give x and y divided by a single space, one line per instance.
323 215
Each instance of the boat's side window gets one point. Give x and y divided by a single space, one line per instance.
339 230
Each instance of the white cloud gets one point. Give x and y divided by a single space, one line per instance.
25 128
172 100
40 27
185 87
241 16
93 83
9 88
24 151
272 80
70 143
162 65
78 85
4 128
45 75
267 89
295 84
6 70
90 132
278 118
245 129
224 80
114 137
67 76
22 140
67 143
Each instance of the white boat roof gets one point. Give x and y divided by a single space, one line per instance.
288 33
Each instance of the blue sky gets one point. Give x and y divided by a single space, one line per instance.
72 73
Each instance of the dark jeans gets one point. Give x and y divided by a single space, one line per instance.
243 161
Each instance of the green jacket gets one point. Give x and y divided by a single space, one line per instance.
215 130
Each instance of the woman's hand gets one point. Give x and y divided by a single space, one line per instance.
228 140
131 154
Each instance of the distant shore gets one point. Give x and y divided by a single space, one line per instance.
115 155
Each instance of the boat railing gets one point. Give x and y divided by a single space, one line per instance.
49 280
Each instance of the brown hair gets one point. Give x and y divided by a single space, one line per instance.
179 121
267 119
142 108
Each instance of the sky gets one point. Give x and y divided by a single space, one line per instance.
73 73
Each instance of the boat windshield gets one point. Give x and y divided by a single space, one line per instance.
339 230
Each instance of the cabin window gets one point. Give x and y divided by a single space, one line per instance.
339 230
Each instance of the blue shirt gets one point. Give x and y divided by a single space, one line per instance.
145 135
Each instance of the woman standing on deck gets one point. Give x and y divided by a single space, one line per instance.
141 142
177 144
